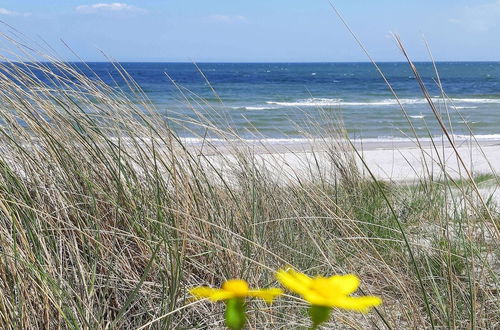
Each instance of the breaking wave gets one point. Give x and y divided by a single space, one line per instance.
318 102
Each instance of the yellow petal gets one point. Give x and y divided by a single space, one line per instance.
359 304
220 294
344 284
210 293
314 298
294 281
323 287
238 287
267 295
202 292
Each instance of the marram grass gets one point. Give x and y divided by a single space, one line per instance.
107 220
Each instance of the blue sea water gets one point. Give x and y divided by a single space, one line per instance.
280 100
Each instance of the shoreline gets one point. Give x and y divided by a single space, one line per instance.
270 145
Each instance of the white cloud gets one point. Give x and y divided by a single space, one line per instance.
480 18
108 7
7 12
225 18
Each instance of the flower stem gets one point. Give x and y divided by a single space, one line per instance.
319 315
235 314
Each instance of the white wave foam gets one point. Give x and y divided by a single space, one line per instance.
252 108
194 140
460 107
495 101
339 102
417 116
318 102
479 137
313 102
456 137
468 122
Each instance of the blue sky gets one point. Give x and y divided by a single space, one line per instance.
259 30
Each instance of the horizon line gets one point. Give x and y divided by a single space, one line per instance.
256 62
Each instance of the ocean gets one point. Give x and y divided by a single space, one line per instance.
287 101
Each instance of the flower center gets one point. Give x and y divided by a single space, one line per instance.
323 287
238 287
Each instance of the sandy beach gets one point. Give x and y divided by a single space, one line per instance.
401 161
407 162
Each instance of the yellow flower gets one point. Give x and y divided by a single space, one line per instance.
330 292
235 289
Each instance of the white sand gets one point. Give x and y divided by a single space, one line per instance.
407 163
402 161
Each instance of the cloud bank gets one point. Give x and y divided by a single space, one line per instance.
108 7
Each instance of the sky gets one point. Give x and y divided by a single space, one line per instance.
258 30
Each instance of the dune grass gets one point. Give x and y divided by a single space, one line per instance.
107 218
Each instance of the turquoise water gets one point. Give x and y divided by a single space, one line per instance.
277 100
